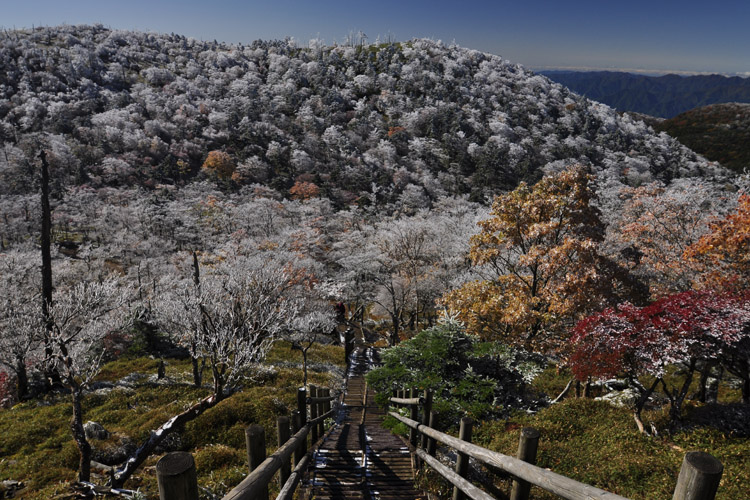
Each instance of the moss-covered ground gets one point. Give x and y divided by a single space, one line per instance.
36 446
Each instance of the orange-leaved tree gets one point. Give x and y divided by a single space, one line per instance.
542 270
220 164
724 253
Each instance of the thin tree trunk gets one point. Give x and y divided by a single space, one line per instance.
642 400
705 375
157 436
675 412
22 379
51 375
304 367
79 435
197 371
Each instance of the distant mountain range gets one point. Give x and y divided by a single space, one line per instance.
663 96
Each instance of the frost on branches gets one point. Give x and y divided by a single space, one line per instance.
80 319
228 318
683 329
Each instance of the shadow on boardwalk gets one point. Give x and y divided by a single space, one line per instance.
359 459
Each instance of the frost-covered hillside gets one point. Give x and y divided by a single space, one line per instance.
399 124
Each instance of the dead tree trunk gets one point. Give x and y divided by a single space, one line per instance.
50 372
157 436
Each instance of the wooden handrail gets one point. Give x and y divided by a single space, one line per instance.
555 483
407 401
287 491
469 489
258 480
319 399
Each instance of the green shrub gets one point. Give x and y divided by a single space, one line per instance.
467 377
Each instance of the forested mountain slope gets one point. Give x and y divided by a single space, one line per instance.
395 125
663 96
720 132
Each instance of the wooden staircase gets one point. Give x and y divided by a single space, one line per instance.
359 459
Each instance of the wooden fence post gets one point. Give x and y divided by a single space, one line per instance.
321 411
462 462
432 442
699 477
313 415
255 439
527 447
282 431
302 405
299 453
176 477
326 408
302 410
414 415
426 411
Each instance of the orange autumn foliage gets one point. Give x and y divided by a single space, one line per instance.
304 190
220 164
541 243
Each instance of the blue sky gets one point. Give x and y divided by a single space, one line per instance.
655 35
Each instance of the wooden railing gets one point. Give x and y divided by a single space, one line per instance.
698 479
177 477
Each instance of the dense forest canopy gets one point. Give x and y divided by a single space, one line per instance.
399 124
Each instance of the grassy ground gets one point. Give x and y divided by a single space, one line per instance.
598 444
36 446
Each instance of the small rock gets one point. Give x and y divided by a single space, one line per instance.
95 430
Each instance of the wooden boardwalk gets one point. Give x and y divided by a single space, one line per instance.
359 459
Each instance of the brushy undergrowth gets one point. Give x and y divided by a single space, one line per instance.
36 446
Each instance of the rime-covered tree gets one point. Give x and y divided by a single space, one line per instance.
80 318
230 321
21 322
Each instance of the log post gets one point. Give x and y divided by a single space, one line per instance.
282 431
299 453
426 411
326 408
462 462
302 411
302 405
321 411
432 442
699 477
414 415
313 415
527 447
176 477
255 439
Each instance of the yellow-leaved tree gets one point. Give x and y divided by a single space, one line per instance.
539 256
